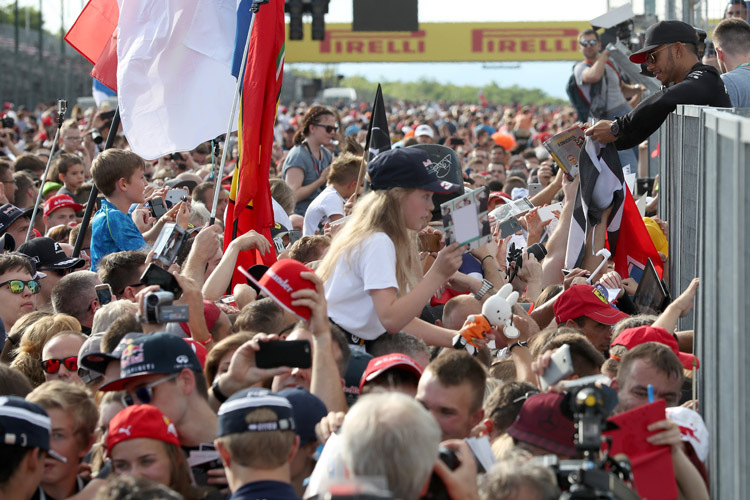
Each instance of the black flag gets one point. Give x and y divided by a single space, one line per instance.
378 135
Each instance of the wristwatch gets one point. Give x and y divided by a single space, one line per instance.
220 396
615 128
520 343
486 287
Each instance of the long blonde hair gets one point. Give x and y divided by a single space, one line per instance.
377 211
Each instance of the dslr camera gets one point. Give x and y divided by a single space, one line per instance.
158 308
7 122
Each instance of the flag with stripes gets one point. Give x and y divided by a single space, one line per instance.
378 136
602 184
250 206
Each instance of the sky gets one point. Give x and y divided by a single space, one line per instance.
551 77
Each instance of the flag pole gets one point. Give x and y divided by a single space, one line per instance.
240 77
95 192
62 108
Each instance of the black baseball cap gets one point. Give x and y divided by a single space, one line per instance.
25 424
408 168
160 353
10 213
49 254
233 411
308 410
93 358
662 33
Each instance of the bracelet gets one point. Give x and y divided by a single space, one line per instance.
521 343
481 262
220 396
204 343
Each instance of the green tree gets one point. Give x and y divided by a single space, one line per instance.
8 15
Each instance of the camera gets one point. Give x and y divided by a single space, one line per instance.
516 255
96 136
436 490
8 122
169 242
158 309
597 475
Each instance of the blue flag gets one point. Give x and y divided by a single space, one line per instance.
243 25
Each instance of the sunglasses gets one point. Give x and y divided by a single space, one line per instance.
52 366
329 128
17 286
588 43
651 59
146 393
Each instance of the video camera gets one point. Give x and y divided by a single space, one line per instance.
158 308
516 255
597 475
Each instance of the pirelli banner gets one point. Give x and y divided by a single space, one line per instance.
442 42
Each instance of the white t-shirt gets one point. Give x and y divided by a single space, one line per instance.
280 216
329 202
371 266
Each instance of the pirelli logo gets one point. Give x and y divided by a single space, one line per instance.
498 40
348 42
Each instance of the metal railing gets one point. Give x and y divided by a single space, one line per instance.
705 165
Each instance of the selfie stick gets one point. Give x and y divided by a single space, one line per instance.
605 255
254 9
62 108
95 192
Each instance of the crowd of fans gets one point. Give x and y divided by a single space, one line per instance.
103 394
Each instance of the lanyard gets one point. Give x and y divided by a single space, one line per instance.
317 164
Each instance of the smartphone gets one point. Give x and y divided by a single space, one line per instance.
155 275
157 207
545 213
509 226
174 196
560 366
292 353
103 293
534 189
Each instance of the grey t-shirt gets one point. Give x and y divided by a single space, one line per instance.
299 156
610 85
737 83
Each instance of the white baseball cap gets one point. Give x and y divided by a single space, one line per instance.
424 130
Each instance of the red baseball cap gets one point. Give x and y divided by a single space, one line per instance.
632 337
586 300
280 281
377 366
61 201
541 422
141 421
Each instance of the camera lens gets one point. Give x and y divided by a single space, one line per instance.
152 300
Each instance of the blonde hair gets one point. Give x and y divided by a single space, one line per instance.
72 399
29 353
377 211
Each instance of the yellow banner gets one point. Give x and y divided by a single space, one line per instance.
443 42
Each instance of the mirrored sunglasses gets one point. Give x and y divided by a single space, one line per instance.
17 286
52 366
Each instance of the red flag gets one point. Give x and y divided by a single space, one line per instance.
634 244
250 196
93 34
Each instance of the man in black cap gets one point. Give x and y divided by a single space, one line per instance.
52 260
671 54
15 222
256 442
24 443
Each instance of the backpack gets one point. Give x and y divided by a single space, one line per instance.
579 101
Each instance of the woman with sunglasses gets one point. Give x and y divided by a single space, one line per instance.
306 165
60 357
29 353
143 442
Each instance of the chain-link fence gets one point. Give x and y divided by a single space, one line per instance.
30 75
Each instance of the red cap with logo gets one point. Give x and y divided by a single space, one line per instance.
377 366
141 421
632 337
281 280
61 201
586 300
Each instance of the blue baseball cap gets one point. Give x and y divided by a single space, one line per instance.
233 411
308 411
25 424
407 168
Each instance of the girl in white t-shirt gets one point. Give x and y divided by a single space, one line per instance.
372 272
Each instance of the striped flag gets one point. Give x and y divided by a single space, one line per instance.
250 205
603 184
94 35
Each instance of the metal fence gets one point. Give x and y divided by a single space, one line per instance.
30 75
705 184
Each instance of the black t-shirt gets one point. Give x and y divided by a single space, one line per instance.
702 86
265 490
